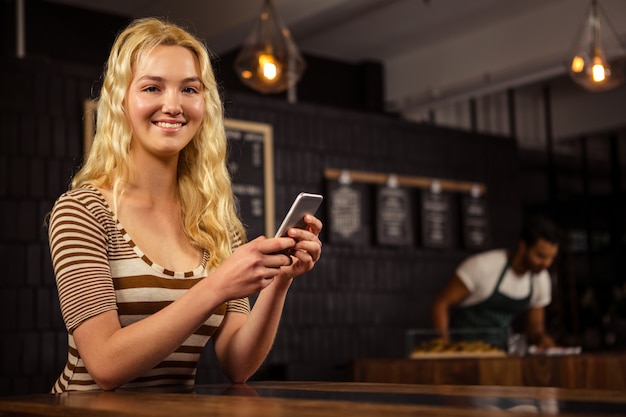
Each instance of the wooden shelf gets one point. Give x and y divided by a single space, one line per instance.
406 180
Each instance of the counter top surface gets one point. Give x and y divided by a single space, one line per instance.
317 399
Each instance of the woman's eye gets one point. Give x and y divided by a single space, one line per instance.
151 89
190 90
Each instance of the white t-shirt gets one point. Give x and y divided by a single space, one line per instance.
480 275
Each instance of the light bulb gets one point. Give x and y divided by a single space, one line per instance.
269 70
268 67
578 63
598 70
598 61
269 61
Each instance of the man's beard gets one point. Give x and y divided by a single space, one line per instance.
530 266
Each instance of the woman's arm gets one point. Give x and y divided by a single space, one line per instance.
243 342
115 355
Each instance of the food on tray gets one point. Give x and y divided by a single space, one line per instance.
437 347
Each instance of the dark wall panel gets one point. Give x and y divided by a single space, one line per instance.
40 146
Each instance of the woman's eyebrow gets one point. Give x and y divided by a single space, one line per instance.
157 78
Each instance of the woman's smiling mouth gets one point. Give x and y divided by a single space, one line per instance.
169 125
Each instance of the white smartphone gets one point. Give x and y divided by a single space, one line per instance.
305 203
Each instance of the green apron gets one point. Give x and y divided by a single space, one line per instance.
495 313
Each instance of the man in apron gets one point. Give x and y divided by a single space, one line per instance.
490 289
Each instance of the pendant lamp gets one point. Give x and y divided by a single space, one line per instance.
269 61
598 60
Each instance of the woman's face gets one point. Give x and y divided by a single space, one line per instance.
164 102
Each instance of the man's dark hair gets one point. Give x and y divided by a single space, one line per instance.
539 227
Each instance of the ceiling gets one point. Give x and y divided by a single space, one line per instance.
432 50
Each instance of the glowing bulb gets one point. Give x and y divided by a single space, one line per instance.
269 70
598 71
268 67
578 63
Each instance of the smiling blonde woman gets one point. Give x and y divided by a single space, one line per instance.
148 251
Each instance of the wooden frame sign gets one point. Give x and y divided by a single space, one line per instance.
251 166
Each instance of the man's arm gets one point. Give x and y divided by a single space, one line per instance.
535 329
452 294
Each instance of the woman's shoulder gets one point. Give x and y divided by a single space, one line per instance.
87 197
84 194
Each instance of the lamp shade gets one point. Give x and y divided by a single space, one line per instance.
269 60
598 60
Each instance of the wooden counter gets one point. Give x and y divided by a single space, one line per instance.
321 399
597 371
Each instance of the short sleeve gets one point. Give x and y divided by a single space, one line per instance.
241 305
480 273
469 271
542 290
78 247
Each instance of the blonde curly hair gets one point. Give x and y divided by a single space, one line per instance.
207 203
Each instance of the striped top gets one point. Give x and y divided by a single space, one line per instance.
98 268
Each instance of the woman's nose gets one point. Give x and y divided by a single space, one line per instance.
172 103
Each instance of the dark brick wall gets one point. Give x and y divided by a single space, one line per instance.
356 303
40 144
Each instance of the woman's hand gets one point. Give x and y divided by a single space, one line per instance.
252 267
307 250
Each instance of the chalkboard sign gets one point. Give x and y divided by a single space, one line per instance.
250 164
436 219
348 213
394 222
475 221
